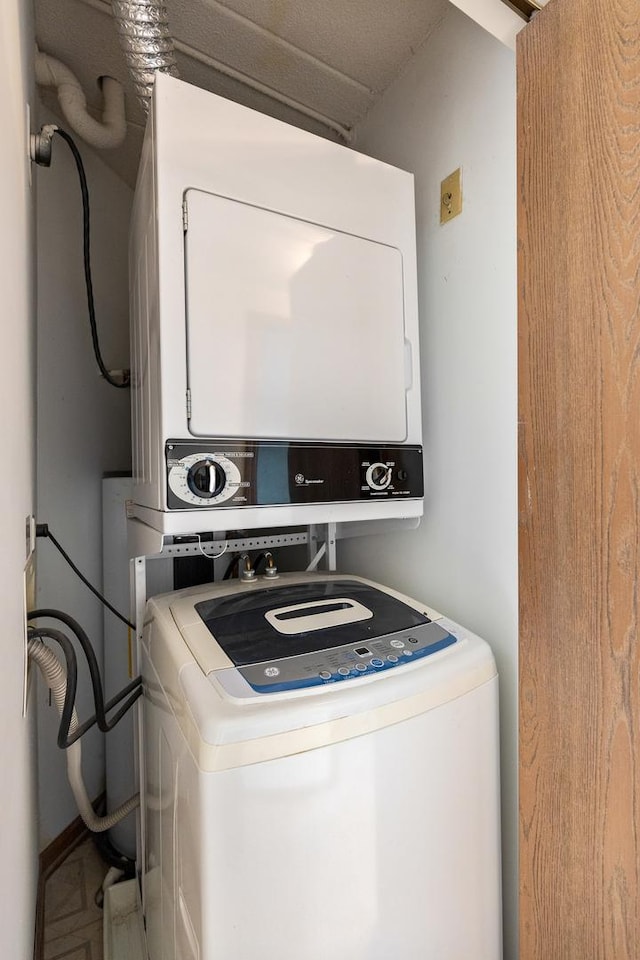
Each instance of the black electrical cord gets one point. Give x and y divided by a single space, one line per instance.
42 530
101 708
135 685
87 260
72 675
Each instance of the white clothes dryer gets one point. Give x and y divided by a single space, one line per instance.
275 362
320 776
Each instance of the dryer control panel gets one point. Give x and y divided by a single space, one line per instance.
223 473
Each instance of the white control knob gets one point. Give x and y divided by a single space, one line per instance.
378 476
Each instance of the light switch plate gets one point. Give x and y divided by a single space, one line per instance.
451 196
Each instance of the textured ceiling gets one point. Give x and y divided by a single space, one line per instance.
330 58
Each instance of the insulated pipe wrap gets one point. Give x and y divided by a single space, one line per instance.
105 134
143 28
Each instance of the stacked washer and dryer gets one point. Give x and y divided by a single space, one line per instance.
320 753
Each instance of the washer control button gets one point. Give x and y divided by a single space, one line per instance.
407 653
412 640
377 662
398 644
361 666
344 671
324 675
271 672
392 658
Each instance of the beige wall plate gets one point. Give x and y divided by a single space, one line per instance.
451 196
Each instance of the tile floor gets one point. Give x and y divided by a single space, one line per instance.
73 922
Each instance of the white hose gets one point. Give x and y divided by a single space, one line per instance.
108 133
55 677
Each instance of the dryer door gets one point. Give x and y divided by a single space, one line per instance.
294 330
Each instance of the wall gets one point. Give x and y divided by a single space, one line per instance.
455 105
17 400
83 425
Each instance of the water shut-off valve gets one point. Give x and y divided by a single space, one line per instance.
248 572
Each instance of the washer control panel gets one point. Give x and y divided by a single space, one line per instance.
348 662
235 473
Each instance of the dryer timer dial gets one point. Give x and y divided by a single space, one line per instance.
378 476
206 479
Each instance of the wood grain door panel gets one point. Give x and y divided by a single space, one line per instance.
579 411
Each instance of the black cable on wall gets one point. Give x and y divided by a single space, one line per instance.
87 261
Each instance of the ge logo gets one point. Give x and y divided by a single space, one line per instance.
272 672
299 478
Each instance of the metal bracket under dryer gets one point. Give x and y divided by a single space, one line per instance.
322 546
148 545
145 543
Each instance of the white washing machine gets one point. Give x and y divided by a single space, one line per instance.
320 776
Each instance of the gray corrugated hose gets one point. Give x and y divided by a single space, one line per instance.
148 47
56 679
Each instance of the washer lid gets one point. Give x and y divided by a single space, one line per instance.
296 619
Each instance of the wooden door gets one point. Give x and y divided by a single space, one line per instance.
579 368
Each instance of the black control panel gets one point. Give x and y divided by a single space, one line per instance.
235 473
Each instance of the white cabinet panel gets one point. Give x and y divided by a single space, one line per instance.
495 17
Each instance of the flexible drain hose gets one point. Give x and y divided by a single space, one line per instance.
56 679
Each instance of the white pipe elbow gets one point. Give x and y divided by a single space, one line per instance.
105 134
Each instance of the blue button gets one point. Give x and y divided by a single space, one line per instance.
343 671
407 653
361 666
376 662
325 675
392 658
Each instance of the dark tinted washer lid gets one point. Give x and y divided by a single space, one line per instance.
239 626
